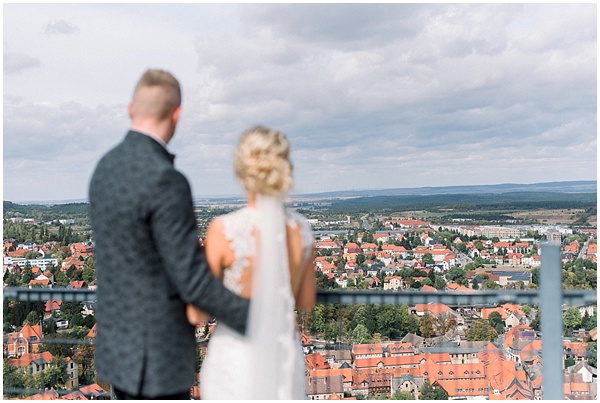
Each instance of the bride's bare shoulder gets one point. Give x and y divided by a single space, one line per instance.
216 247
215 228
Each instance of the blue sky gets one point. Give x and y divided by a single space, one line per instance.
370 96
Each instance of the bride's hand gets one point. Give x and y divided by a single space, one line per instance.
195 316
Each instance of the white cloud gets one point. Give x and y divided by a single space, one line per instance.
371 96
17 62
60 27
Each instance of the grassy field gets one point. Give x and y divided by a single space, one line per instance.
556 216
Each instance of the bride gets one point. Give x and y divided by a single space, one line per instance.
263 252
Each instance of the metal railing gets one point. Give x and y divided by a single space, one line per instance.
550 296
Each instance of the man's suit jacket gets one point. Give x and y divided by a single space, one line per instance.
149 265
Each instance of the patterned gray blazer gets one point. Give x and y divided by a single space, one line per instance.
149 265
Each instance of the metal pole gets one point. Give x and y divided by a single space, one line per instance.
551 322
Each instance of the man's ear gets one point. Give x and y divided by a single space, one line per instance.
175 115
130 110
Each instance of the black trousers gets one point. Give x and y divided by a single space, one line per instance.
177 396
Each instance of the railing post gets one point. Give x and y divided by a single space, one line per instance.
551 322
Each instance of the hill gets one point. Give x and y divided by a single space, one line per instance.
548 187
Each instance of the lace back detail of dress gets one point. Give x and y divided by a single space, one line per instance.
238 227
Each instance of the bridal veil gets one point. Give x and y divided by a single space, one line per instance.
278 371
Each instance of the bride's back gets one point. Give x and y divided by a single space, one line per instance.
247 245
232 243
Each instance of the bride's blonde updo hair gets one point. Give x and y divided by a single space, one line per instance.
262 161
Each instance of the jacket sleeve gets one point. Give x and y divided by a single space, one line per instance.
174 231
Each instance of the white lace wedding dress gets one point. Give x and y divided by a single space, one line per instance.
266 363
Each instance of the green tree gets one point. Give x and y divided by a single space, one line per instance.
317 322
414 242
84 358
489 285
571 319
360 334
439 283
535 323
458 275
77 320
461 247
428 259
403 395
481 330
333 332
360 316
71 271
569 362
388 321
431 276
429 392
51 268
88 275
592 322
70 308
324 282
325 252
10 279
426 325
79 332
413 324
58 349
479 261
403 317
592 354
27 274
31 255
61 279
12 377
55 374
32 318
16 312
49 327
496 322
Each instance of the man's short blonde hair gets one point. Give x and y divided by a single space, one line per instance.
156 94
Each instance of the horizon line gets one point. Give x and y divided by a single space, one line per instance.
346 193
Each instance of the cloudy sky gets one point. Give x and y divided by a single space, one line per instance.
370 96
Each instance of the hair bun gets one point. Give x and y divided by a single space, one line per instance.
262 161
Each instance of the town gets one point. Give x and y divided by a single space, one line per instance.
359 351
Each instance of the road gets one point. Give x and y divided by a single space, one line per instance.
583 251
366 225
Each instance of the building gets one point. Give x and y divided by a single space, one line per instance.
22 262
25 341
324 387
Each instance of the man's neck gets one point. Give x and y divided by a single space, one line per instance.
151 134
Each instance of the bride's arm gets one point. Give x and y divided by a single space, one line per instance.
213 249
196 316
307 291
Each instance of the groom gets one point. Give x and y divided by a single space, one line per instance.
149 264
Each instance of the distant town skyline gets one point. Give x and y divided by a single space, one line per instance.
371 96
